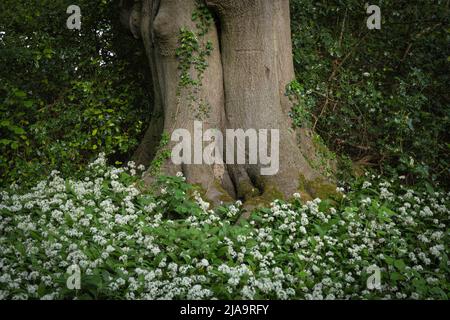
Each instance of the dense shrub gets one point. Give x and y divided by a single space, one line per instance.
168 244
380 96
66 94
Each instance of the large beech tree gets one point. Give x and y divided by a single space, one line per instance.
227 63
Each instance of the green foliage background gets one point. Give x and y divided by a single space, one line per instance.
379 97
66 95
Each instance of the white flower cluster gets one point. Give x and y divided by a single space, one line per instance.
127 246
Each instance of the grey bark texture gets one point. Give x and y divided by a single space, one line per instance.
244 85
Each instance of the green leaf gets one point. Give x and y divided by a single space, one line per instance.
395 276
319 230
5 142
400 264
28 103
17 130
389 260
5 123
20 94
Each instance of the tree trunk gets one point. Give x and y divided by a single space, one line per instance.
230 73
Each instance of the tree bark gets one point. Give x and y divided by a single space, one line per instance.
243 86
